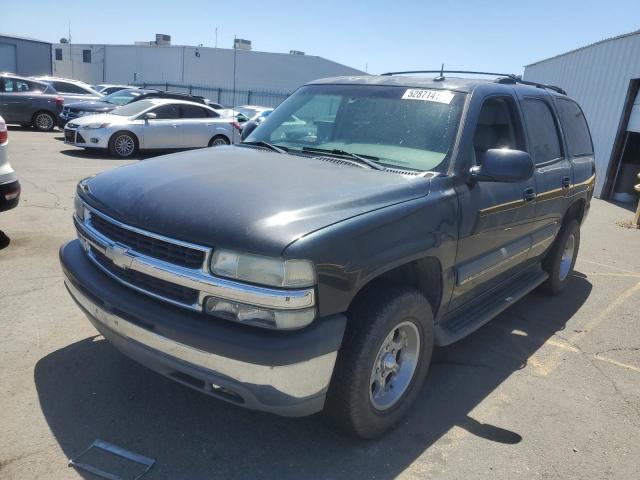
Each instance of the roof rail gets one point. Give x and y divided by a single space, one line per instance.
505 77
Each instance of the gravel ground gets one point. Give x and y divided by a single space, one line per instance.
549 389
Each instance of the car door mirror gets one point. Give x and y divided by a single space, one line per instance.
503 165
247 128
149 116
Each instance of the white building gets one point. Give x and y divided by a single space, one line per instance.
158 65
604 78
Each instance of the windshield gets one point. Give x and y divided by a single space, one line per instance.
132 109
122 97
395 126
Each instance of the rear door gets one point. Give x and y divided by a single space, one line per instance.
164 131
553 174
197 125
18 98
497 218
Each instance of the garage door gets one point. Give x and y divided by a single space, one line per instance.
7 58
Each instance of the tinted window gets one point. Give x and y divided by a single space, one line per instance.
543 134
18 85
497 127
191 111
575 127
58 54
167 112
64 87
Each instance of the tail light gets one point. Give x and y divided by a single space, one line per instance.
4 133
59 101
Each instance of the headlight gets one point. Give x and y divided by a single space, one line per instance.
274 272
84 114
93 126
79 208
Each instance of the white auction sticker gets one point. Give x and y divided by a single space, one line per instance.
440 96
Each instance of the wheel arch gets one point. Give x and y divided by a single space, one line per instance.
124 130
424 274
218 134
576 210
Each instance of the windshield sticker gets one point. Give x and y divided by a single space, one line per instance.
440 96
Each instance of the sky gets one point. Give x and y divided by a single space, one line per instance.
376 36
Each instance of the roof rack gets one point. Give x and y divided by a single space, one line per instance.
504 77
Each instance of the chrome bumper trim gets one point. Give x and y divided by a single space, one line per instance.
197 279
298 380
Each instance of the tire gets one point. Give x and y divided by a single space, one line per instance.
561 258
123 144
43 121
356 401
219 140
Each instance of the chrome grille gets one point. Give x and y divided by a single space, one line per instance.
154 247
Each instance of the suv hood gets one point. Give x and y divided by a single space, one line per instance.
92 106
243 198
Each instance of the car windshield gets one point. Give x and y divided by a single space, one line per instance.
122 97
132 109
400 127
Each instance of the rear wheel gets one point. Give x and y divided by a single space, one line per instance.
44 121
123 144
383 361
219 140
561 258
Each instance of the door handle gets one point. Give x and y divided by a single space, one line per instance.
529 194
566 182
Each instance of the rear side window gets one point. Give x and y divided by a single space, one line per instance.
575 127
64 87
543 133
17 85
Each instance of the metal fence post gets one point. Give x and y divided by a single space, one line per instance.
219 94
249 97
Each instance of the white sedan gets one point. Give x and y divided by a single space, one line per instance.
158 123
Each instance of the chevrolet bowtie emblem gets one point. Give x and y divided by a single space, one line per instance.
120 256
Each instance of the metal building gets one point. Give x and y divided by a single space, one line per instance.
24 56
157 65
604 78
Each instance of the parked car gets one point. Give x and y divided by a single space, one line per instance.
29 103
156 123
71 90
9 184
108 88
214 105
104 105
294 273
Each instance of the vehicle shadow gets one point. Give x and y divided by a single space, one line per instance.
88 390
99 154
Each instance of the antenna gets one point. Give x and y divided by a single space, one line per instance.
440 77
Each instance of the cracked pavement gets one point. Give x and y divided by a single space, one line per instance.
548 390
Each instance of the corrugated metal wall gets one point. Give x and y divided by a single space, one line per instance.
32 57
598 78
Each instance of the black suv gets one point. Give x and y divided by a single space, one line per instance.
316 265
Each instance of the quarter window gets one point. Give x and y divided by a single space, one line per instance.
64 87
575 127
543 133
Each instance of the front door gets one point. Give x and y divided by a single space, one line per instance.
496 218
164 131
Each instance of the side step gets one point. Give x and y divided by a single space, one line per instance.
469 319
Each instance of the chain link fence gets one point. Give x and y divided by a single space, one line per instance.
224 96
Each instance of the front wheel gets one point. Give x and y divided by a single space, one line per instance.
561 258
123 145
383 361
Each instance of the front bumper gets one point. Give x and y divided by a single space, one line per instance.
9 195
93 138
285 373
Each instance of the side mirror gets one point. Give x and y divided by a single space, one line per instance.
247 128
149 116
503 165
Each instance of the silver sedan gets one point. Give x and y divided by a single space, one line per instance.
152 124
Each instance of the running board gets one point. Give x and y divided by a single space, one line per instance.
459 325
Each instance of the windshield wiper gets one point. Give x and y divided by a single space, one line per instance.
336 151
268 145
